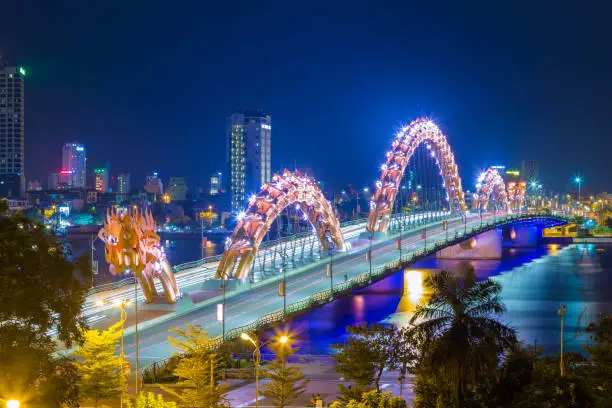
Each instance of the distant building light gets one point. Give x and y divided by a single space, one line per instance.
79 148
498 167
266 126
22 71
513 173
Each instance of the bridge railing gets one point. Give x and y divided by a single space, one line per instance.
365 278
199 263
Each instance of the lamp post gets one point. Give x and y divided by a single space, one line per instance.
331 266
13 404
370 252
202 234
121 304
399 241
561 312
136 332
257 360
578 181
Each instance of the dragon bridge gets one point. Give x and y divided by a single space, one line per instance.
290 188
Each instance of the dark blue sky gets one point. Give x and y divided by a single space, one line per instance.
147 84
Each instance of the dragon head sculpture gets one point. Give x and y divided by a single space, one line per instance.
132 245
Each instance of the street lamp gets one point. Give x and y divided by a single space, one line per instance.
371 236
12 404
121 304
561 312
257 359
330 247
136 333
578 180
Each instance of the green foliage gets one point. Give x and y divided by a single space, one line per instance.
464 339
599 373
150 400
196 358
354 362
101 375
39 290
368 352
286 382
161 372
372 399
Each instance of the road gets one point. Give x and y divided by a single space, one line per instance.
246 307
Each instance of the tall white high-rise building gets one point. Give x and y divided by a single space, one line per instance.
74 160
248 154
12 176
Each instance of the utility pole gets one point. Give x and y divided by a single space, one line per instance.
284 286
212 375
202 234
561 312
223 320
331 266
93 270
370 253
399 242
136 329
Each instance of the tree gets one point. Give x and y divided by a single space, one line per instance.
40 290
101 375
465 338
286 382
150 400
599 373
196 357
405 346
373 399
354 362
369 351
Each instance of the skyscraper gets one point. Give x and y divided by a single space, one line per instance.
101 179
216 181
74 159
124 184
154 184
12 176
177 189
248 154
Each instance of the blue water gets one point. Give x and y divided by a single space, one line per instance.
536 281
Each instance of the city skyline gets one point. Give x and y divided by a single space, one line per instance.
331 99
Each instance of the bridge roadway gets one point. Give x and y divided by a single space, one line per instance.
245 307
191 279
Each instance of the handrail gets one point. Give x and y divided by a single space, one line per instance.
366 278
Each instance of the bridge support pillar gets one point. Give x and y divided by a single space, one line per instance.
487 245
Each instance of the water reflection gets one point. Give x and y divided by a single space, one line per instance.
413 293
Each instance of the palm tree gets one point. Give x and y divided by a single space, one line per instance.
463 338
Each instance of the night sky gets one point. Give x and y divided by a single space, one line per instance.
147 85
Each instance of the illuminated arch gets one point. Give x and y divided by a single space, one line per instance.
516 194
254 223
403 147
490 183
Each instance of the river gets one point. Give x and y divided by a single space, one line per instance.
535 283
